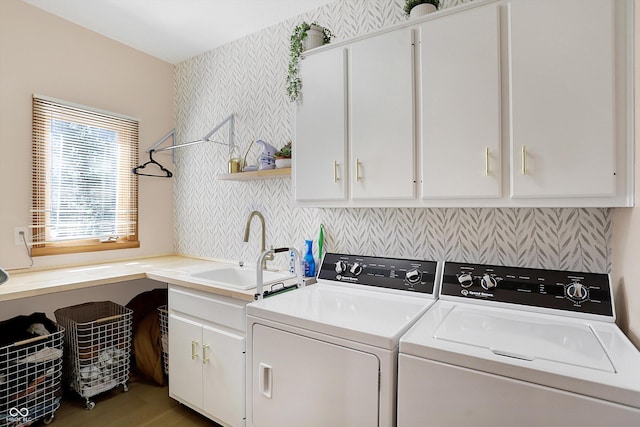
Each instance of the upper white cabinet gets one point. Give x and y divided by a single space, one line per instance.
461 104
502 103
355 122
381 116
562 103
320 154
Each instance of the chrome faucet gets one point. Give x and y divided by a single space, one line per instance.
247 228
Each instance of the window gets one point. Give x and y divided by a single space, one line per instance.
85 197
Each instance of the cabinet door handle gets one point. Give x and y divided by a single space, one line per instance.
358 177
336 178
524 160
194 353
204 354
265 380
487 169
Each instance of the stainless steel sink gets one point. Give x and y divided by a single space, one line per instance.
241 278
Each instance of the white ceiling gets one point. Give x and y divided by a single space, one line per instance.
175 30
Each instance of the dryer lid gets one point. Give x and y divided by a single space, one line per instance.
525 337
373 318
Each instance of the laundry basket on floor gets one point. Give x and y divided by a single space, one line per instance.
163 314
98 346
30 376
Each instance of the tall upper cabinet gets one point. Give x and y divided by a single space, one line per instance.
320 154
562 104
381 116
461 105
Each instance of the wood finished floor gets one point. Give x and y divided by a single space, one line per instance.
144 405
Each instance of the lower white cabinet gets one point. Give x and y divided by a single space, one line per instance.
207 354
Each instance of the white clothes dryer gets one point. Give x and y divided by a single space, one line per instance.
326 354
519 347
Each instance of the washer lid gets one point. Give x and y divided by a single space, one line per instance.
525 338
369 317
586 357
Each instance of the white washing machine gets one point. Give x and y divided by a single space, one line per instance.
326 354
518 347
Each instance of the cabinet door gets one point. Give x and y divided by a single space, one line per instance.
381 117
223 375
562 97
320 148
461 133
298 381
185 361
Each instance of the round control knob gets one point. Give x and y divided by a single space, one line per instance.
341 267
577 292
356 269
413 276
488 282
465 279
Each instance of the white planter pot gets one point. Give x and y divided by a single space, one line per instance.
315 38
421 10
283 163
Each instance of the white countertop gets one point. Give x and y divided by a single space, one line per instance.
174 269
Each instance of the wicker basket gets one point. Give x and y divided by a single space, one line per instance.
97 354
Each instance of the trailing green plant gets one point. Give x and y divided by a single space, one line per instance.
285 151
410 4
294 83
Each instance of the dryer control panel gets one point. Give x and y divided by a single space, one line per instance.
390 273
556 289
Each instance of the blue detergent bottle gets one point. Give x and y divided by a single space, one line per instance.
309 262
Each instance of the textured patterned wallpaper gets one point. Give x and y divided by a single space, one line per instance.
247 77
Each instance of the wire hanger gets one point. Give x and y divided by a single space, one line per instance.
172 134
167 173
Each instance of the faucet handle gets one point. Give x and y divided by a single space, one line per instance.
270 254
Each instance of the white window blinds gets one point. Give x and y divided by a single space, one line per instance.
84 194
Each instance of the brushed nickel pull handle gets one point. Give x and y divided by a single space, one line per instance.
524 160
358 177
487 169
336 178
194 354
204 354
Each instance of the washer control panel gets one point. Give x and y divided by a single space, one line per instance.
564 290
391 273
